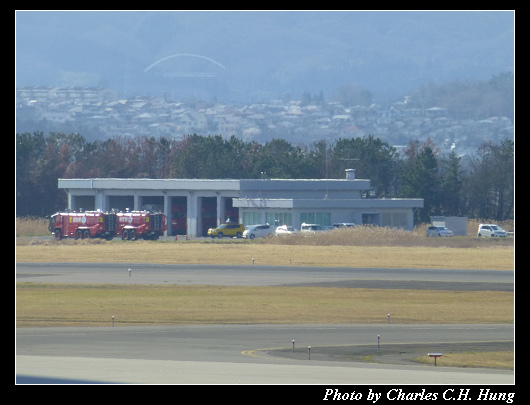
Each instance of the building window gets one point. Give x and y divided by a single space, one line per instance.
369 218
279 218
251 218
320 218
395 219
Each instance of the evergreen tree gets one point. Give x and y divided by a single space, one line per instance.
451 186
372 158
491 184
420 178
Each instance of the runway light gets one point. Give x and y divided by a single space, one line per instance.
309 352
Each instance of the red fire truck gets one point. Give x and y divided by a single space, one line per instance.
179 220
141 224
83 225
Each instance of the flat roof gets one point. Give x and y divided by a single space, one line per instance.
215 184
149 184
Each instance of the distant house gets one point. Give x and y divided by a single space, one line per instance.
191 121
145 118
341 120
228 124
436 112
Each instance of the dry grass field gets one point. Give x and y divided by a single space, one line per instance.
71 304
501 359
241 253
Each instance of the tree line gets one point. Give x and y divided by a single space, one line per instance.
481 187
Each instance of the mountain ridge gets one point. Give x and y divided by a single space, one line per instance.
265 53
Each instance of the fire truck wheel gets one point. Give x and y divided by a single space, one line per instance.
125 235
57 234
79 235
133 235
86 234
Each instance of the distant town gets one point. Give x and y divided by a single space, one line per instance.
98 113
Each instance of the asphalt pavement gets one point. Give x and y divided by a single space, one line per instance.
348 277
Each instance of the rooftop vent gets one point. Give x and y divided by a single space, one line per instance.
350 174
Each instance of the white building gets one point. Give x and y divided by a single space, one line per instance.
195 205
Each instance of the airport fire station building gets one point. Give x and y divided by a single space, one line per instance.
194 205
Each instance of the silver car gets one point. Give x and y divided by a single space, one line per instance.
258 231
439 231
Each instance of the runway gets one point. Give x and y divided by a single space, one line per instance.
350 277
258 354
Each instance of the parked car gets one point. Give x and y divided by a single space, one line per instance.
258 231
344 225
439 231
284 230
228 229
311 228
491 230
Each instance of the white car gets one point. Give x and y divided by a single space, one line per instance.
284 230
311 228
258 231
439 231
492 230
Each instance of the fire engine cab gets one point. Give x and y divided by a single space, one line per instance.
83 225
141 224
